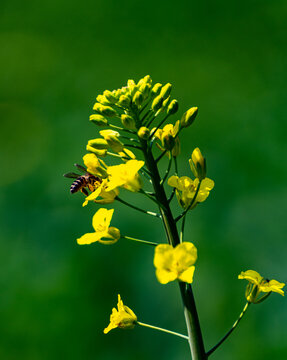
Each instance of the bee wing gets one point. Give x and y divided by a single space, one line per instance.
71 175
81 168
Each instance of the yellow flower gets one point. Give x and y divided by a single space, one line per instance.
168 137
186 189
103 233
175 263
258 284
123 317
125 175
107 197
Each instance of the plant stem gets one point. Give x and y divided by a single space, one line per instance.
163 330
190 312
229 332
137 208
140 241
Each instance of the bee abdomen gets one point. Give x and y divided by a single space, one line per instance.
78 184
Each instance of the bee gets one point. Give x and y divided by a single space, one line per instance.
83 181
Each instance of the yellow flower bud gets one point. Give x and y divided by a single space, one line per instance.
103 100
172 107
112 138
97 152
138 98
157 103
144 133
198 164
168 141
128 122
188 117
155 90
104 110
145 89
124 101
110 96
165 91
99 120
114 232
98 144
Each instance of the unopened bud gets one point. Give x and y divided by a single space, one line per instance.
172 107
110 96
145 90
138 98
128 122
99 120
124 101
198 164
105 110
188 117
114 233
112 138
144 133
103 100
98 144
96 151
165 91
155 90
157 103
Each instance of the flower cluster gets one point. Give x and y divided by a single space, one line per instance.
135 136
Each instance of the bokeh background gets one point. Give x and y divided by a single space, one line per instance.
228 58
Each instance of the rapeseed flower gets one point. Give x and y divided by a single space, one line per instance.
107 197
123 317
258 284
186 189
104 234
168 137
175 263
125 175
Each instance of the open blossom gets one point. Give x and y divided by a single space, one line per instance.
175 263
258 284
125 175
104 234
186 189
106 197
123 317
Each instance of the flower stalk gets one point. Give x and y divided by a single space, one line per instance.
191 317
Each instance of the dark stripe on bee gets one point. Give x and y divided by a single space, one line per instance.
83 181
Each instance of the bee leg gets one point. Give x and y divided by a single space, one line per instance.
84 191
91 188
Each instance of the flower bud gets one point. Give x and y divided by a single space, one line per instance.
98 144
165 91
96 151
172 107
112 138
155 90
128 122
103 100
198 164
124 101
99 120
138 98
110 96
157 103
132 87
144 133
104 110
188 117
145 89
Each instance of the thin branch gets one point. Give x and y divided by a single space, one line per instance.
137 208
139 241
167 170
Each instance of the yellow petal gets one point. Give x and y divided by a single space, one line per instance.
88 238
163 256
252 276
165 276
185 254
102 219
187 275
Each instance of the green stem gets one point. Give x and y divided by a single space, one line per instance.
140 241
122 129
137 208
182 228
230 331
191 317
167 170
163 330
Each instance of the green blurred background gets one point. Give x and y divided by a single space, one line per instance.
228 58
